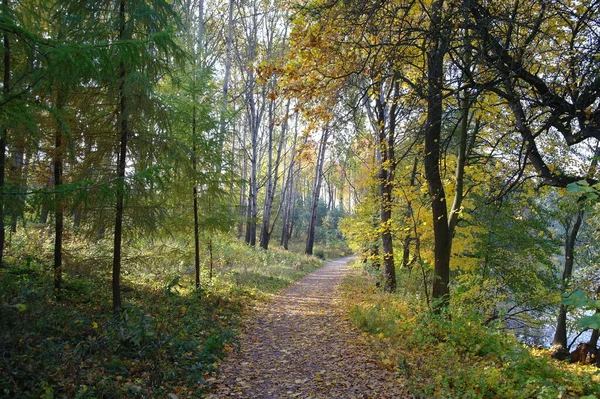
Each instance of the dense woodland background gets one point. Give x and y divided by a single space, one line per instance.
453 145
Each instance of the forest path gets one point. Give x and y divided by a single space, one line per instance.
302 345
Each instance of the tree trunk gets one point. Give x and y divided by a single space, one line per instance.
435 75
312 223
243 205
195 204
386 122
461 161
121 165
406 262
58 204
254 117
461 157
4 133
198 54
272 178
252 213
559 342
17 183
289 197
289 205
226 76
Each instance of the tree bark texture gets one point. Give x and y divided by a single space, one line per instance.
386 123
559 341
435 76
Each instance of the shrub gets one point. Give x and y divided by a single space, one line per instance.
455 355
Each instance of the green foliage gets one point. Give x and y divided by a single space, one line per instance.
585 188
579 299
456 356
170 337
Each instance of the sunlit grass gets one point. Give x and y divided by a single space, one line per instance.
457 356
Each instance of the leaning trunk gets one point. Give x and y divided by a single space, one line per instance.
559 342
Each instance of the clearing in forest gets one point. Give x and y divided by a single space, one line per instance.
302 345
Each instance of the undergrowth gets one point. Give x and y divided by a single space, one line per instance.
169 338
457 356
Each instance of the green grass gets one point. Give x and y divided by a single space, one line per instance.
457 356
170 337
327 251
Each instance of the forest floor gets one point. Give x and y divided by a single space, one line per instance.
302 345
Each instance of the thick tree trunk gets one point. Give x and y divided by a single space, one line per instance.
559 341
312 223
386 123
435 76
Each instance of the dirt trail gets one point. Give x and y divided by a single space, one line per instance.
301 345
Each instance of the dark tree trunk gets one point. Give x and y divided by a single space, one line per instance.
58 205
4 134
559 342
195 204
121 165
44 212
435 76
16 178
385 133
198 54
251 214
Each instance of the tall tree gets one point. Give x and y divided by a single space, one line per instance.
559 341
123 134
320 161
437 47
4 132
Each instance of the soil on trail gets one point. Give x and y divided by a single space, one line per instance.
301 345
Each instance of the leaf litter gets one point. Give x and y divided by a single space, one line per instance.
302 345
